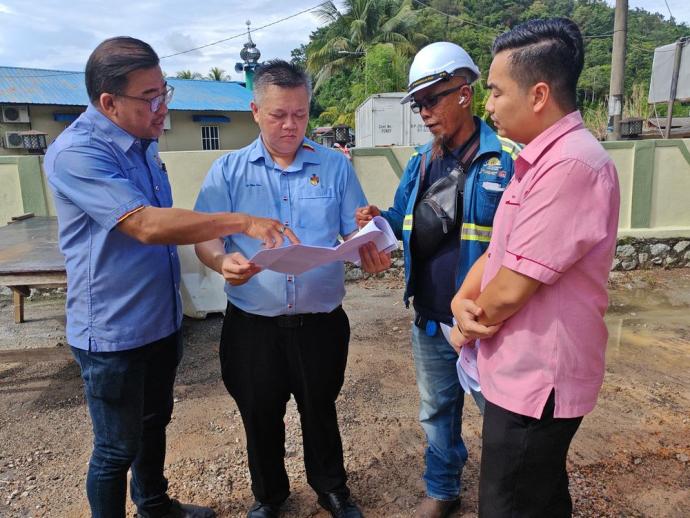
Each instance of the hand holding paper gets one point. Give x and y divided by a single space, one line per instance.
466 366
296 259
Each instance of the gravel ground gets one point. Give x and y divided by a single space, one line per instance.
630 457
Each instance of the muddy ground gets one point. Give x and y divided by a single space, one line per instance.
630 457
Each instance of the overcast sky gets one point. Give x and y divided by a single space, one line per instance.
60 34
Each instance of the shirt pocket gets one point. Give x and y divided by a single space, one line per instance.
318 209
488 197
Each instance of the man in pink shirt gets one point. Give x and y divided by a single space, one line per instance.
537 297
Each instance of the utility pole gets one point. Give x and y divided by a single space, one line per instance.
617 86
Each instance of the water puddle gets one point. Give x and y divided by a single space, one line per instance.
649 326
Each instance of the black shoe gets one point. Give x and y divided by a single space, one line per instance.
339 505
259 510
178 510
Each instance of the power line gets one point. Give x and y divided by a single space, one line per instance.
670 14
31 76
464 20
66 73
243 33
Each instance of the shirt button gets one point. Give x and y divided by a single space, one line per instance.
285 198
286 223
289 306
157 188
289 278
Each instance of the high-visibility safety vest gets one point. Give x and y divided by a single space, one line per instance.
487 178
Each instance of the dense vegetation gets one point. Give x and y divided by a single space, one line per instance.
366 47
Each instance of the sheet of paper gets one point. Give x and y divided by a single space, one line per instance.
466 366
296 259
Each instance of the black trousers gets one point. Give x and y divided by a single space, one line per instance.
523 471
263 361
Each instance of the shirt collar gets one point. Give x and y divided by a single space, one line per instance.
109 129
531 153
305 154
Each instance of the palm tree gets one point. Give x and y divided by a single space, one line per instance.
363 24
187 74
217 74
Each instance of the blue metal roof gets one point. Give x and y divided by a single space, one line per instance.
38 86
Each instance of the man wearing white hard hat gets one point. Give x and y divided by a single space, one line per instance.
443 211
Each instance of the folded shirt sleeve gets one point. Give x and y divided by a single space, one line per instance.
352 198
214 195
96 183
564 214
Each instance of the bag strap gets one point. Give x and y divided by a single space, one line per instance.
460 172
463 164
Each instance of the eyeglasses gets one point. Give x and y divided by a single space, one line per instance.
155 103
432 100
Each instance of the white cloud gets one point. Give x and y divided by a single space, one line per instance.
60 35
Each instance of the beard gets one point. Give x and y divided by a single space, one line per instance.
438 148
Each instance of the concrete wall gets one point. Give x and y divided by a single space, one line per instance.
654 177
184 133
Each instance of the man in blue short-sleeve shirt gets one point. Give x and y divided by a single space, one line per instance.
118 233
285 334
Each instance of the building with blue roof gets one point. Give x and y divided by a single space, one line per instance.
36 105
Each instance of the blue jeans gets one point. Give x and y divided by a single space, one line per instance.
440 413
130 399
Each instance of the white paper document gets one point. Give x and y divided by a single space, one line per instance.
468 374
296 259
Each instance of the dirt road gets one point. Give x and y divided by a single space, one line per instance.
630 457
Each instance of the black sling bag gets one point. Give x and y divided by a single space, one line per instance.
439 211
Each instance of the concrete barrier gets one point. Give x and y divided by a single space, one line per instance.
654 216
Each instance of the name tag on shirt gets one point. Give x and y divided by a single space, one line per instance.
493 187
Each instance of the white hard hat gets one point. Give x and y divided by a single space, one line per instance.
435 62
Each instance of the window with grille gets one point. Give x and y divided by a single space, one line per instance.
209 138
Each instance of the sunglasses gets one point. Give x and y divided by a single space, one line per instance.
432 100
155 102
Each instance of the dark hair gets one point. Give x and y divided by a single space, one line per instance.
546 50
112 60
279 73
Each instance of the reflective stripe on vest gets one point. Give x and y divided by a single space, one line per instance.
407 222
472 232
510 147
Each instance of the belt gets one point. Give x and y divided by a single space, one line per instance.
284 321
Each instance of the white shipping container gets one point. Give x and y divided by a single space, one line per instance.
382 121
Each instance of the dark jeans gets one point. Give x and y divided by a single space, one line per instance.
263 361
130 398
523 472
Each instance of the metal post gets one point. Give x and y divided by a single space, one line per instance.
617 87
366 79
674 85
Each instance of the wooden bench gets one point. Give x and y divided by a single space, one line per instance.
30 258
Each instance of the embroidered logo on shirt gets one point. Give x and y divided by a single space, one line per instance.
491 167
160 163
314 180
307 146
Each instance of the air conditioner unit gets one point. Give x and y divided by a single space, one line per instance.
15 114
13 140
